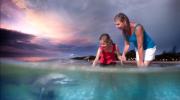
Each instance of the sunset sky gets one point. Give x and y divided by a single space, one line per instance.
74 26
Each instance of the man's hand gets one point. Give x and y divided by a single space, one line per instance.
140 64
123 58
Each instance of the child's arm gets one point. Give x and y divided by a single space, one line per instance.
97 57
118 54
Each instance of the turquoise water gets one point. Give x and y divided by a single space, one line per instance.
24 83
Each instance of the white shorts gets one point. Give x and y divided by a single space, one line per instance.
149 54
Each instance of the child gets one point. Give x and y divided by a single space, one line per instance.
107 51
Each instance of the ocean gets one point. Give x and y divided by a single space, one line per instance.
55 81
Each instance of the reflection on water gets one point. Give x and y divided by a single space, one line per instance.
24 83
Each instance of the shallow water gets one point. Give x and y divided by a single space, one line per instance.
22 82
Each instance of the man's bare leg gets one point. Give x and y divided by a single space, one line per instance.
147 63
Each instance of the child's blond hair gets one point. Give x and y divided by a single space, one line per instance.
105 38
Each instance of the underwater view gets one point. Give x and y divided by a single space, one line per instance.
50 81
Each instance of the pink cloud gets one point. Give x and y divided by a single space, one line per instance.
48 25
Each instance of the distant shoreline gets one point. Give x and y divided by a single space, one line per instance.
153 62
132 61
168 57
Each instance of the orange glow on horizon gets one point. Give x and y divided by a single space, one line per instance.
48 25
34 59
42 25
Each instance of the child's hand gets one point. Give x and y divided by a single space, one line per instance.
120 59
93 65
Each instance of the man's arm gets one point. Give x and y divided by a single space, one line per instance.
126 47
140 35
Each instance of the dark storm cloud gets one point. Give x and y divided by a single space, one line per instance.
78 49
16 44
90 17
9 36
93 17
96 16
